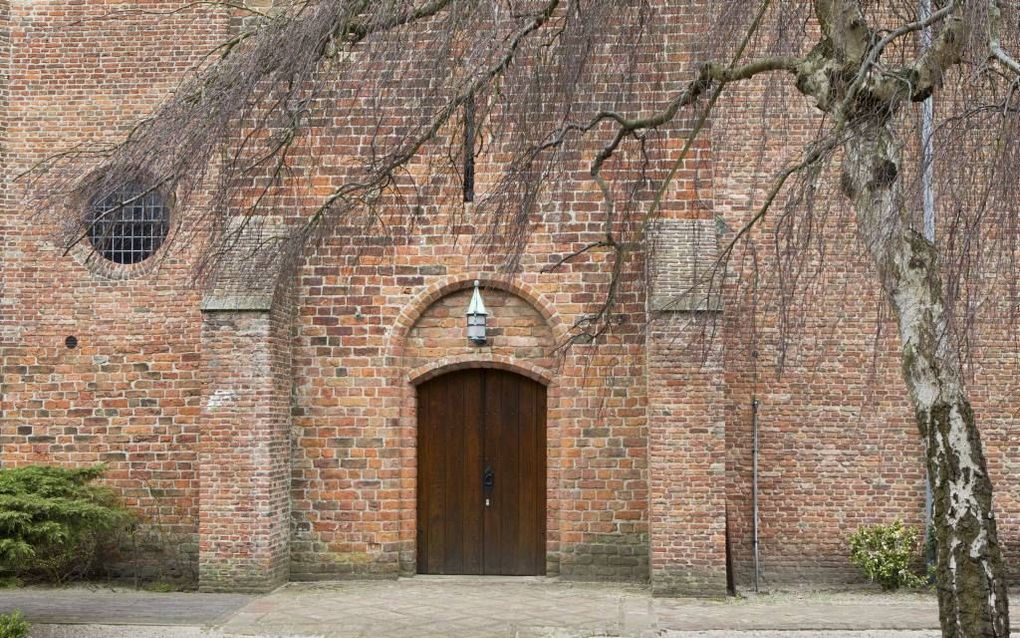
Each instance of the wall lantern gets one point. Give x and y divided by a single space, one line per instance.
476 315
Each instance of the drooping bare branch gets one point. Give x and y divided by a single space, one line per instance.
995 39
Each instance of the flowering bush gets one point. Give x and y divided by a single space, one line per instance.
13 626
886 554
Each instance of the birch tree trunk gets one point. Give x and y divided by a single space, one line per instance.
971 586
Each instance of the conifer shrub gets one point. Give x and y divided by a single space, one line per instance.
53 520
13 625
886 554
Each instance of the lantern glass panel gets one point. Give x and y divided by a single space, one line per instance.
476 328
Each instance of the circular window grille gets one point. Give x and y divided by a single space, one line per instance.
129 225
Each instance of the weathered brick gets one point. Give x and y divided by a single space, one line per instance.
269 435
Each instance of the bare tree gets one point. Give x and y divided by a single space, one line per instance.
520 67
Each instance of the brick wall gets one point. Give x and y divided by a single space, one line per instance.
244 509
129 394
355 426
7 325
300 410
687 447
686 407
361 298
839 446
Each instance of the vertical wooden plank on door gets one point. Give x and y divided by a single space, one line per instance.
422 482
491 430
510 463
461 458
452 427
449 474
512 438
529 554
436 478
472 463
541 443
430 480
521 558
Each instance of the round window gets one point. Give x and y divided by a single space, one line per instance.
129 225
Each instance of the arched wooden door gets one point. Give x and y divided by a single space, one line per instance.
481 474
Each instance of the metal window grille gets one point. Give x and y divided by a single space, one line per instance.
129 225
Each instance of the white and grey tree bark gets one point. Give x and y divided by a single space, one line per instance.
970 577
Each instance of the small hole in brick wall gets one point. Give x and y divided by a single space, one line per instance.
71 342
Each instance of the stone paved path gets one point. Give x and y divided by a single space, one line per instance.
82 606
104 631
878 633
524 608
465 607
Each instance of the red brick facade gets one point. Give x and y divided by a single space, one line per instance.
270 434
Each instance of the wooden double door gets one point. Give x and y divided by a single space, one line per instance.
481 474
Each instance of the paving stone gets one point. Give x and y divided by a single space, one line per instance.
481 608
120 631
77 605
881 633
470 608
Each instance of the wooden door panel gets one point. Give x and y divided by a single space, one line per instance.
449 492
530 557
468 422
502 451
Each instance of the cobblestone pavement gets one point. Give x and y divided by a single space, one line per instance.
465 607
525 608
879 633
107 631
99 605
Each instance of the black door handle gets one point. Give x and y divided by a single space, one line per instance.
488 479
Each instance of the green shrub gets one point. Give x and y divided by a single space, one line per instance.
886 554
13 626
52 521
161 587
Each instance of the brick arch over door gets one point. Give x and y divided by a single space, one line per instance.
433 369
448 285
429 338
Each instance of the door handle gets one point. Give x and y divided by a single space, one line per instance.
488 482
